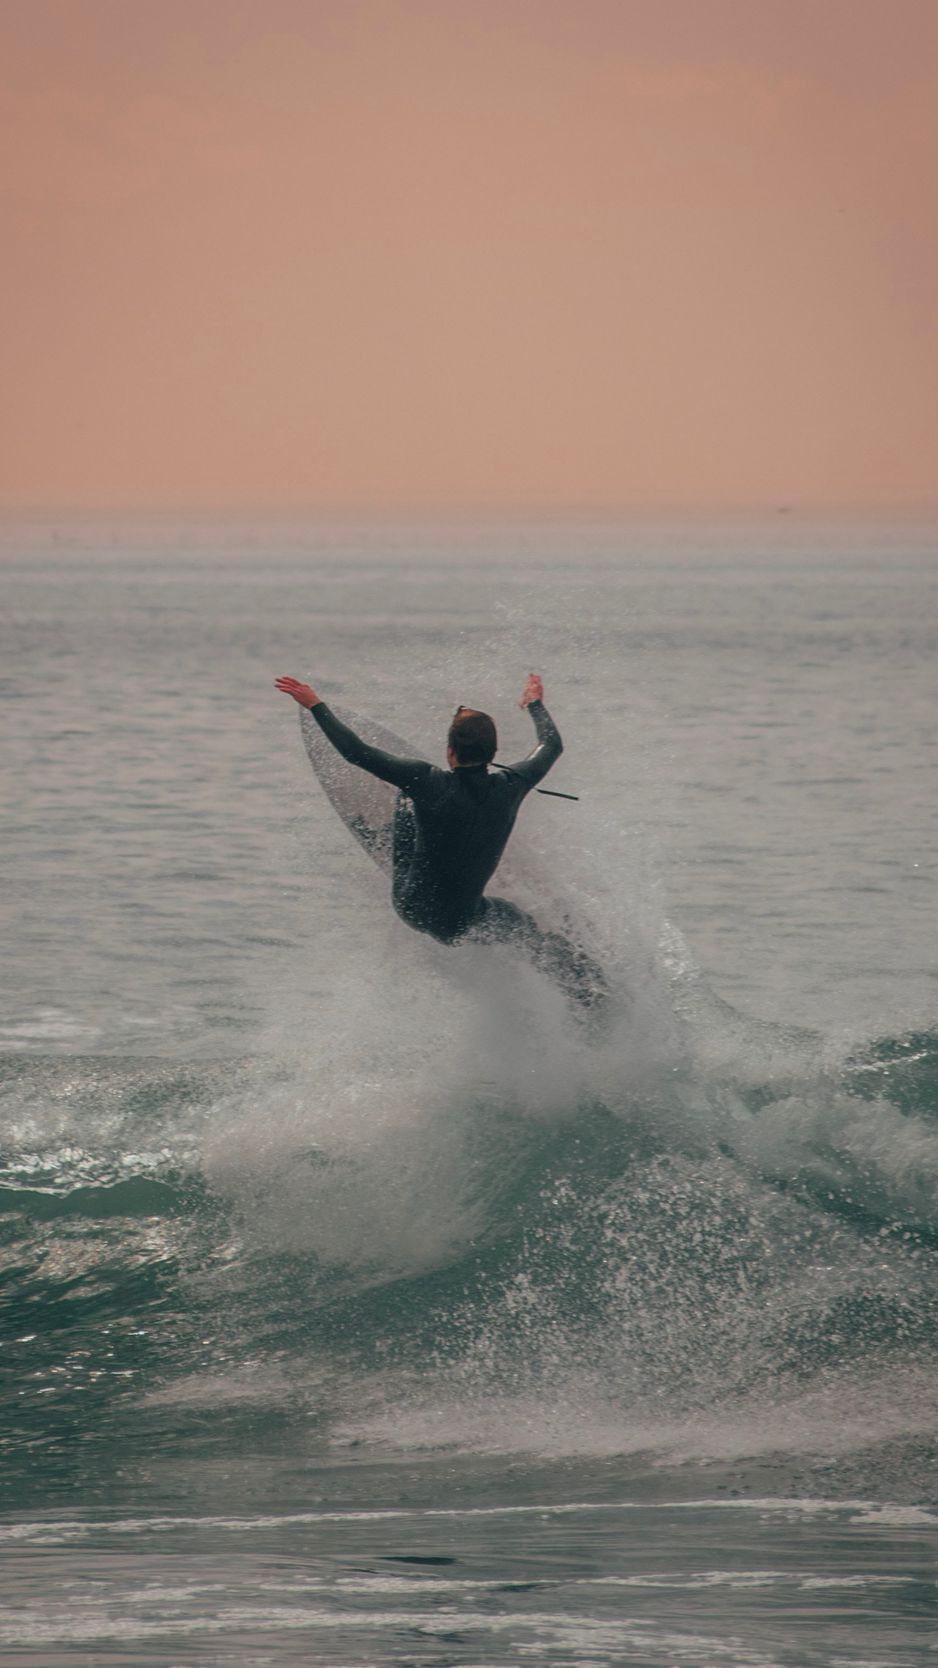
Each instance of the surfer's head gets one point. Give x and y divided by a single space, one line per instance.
472 739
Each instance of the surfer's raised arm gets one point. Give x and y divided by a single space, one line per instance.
409 773
549 745
401 773
302 694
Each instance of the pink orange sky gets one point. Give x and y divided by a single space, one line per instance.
296 253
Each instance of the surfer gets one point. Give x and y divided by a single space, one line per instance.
451 827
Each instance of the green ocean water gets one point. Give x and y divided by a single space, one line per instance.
358 1305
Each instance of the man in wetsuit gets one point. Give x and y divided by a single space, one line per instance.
451 827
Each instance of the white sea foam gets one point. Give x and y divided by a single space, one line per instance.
835 1419
50 1531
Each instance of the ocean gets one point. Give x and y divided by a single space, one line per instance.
360 1303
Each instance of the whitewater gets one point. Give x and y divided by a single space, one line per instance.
358 1303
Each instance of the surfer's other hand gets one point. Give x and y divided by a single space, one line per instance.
301 692
533 690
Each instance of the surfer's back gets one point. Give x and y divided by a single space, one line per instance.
461 821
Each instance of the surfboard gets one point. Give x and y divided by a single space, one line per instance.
365 804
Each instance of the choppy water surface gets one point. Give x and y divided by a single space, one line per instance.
358 1304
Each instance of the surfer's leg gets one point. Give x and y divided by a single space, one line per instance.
409 895
404 844
569 966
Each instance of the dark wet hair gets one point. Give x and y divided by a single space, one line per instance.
472 737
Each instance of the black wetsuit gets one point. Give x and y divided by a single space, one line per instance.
450 829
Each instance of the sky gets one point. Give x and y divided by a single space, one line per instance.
296 254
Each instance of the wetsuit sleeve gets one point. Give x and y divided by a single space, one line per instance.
546 753
402 773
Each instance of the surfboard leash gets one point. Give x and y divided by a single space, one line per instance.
549 793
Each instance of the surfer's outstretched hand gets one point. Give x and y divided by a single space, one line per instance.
301 692
533 690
